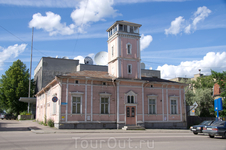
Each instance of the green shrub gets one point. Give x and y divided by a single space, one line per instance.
50 123
25 113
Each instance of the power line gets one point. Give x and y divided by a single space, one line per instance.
76 41
21 39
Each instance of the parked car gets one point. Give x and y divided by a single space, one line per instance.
198 128
2 116
10 116
218 128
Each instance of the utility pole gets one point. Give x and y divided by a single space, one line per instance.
29 90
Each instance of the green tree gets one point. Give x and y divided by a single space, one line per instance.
221 81
13 85
200 91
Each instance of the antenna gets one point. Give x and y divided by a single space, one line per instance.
88 60
101 58
29 89
65 57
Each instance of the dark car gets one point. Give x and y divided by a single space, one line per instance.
218 128
198 128
10 116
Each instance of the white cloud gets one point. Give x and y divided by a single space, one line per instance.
10 52
92 11
145 41
87 12
212 60
179 23
51 23
176 26
187 29
200 14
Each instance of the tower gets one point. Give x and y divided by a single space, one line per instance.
124 50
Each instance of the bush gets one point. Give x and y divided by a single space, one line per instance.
25 113
50 123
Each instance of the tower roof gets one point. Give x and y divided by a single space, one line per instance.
124 23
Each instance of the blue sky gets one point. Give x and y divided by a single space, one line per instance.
178 37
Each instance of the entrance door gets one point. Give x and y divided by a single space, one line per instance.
130 115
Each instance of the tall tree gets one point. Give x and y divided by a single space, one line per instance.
221 81
13 85
200 91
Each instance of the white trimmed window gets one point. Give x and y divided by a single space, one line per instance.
130 97
76 102
152 104
76 105
112 51
129 48
105 103
129 69
173 106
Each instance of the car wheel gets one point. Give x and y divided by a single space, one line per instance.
211 136
195 133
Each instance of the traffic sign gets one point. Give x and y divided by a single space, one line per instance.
54 99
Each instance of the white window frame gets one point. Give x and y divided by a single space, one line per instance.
112 51
131 93
176 99
76 94
105 95
129 65
76 103
127 46
130 99
156 102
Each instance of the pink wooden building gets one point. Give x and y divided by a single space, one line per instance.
113 99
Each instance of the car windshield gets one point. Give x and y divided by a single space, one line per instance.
206 123
218 123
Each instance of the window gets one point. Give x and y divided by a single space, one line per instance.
76 105
129 49
173 106
112 51
104 83
152 106
130 99
76 81
129 69
131 29
120 27
125 28
104 105
128 112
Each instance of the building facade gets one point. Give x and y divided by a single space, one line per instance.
114 98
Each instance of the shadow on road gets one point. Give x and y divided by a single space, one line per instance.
14 125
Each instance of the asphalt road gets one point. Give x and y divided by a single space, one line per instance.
18 138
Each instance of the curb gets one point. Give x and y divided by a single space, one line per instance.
104 131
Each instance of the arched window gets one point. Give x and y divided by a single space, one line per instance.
130 99
129 48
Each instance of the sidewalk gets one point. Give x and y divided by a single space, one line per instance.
41 129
